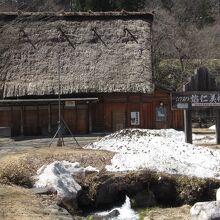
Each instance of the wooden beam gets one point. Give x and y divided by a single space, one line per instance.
95 32
38 121
49 118
90 117
12 120
47 100
28 39
66 37
77 129
22 121
134 38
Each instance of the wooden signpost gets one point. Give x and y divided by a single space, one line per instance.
198 93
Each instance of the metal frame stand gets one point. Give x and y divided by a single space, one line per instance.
60 141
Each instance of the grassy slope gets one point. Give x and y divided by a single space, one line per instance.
20 204
18 168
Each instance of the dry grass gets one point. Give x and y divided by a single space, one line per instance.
180 213
203 131
20 204
18 168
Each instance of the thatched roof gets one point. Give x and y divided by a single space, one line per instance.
99 52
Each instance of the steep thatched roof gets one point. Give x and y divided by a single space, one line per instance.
98 52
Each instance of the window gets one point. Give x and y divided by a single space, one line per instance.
161 113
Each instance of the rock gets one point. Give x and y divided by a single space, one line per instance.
144 198
206 211
42 190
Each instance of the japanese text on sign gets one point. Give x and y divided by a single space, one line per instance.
206 99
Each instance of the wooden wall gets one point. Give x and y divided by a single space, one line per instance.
116 112
110 113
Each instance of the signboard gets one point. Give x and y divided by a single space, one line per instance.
70 103
135 118
188 100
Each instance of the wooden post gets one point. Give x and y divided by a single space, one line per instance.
217 124
77 127
12 120
22 122
90 118
39 131
49 118
188 126
187 122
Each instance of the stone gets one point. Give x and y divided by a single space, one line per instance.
206 211
42 190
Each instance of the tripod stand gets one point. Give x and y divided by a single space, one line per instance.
60 141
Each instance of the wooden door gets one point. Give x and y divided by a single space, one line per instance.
30 120
97 112
70 119
43 120
5 116
82 121
16 121
148 115
54 118
118 120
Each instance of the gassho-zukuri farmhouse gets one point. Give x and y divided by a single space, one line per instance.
103 61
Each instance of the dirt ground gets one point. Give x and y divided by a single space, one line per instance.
180 213
21 204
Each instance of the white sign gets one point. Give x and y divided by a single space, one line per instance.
70 103
182 105
135 118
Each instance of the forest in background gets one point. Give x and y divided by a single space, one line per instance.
186 33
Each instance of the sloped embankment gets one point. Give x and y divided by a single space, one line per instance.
145 188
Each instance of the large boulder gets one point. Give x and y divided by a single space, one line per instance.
206 211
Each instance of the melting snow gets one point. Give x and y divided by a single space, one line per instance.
160 150
212 127
125 212
59 177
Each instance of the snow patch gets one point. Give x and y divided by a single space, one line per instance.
160 150
212 127
59 177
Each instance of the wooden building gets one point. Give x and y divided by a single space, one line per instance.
105 67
